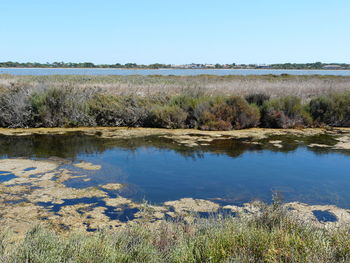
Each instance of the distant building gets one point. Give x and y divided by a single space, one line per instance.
263 66
331 67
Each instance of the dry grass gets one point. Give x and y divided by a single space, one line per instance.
304 87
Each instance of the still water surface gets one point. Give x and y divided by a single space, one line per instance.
177 72
229 171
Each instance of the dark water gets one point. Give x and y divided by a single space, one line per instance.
324 216
228 171
178 72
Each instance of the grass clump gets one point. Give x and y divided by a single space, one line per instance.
271 235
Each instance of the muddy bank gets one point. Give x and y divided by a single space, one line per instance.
124 132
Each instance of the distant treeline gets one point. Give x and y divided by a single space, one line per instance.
316 65
11 64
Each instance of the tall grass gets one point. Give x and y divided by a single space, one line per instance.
272 235
304 87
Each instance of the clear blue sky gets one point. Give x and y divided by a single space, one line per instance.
178 31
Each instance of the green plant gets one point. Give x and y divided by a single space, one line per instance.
257 98
166 116
57 107
333 110
230 113
271 235
119 110
285 112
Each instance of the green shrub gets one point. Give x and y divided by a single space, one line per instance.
60 106
286 112
118 110
171 117
257 98
230 113
194 106
333 110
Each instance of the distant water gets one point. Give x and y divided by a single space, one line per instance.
165 72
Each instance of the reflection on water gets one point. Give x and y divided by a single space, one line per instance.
228 171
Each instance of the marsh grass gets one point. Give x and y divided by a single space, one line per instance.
202 102
304 87
269 236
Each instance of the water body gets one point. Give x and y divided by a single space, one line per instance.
165 72
227 171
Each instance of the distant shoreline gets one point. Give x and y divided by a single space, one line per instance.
219 69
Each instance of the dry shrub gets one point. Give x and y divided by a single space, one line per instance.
15 107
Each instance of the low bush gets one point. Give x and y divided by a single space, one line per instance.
15 108
333 110
286 112
257 98
230 113
119 111
60 107
193 105
167 116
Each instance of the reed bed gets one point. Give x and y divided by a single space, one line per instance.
304 87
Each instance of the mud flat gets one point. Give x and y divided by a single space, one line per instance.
188 137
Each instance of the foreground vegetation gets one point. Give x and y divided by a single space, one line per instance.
270 236
45 103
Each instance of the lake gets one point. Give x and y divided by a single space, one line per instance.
177 72
104 178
